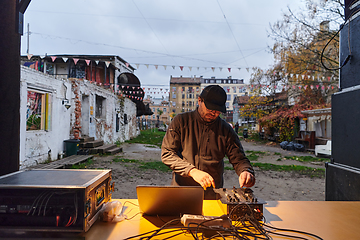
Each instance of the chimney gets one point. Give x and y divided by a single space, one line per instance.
325 26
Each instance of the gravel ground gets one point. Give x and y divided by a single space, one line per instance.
270 185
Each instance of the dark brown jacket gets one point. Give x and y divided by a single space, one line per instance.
192 143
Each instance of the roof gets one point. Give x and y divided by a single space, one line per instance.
317 111
241 100
189 80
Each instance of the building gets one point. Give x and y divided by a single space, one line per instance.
157 106
184 93
72 96
232 87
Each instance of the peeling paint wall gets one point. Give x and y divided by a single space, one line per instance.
38 146
102 126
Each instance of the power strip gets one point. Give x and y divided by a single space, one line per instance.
189 219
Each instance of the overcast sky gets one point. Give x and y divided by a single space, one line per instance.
204 37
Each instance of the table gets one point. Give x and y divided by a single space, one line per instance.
327 219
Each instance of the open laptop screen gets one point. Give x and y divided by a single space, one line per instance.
170 200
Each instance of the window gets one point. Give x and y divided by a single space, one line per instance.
174 104
50 69
38 115
174 95
183 96
100 106
218 81
164 110
174 89
228 97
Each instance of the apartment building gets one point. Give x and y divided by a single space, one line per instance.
232 87
160 113
184 92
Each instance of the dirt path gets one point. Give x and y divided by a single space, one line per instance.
270 185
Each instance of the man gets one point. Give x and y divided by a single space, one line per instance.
196 143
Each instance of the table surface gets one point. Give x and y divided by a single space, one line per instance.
326 219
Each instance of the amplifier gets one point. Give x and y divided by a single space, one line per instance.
61 200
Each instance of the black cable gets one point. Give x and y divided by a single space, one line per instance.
349 45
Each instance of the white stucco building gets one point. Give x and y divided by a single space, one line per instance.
57 107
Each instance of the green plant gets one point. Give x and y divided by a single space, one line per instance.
307 159
149 137
33 122
253 155
125 160
160 166
83 165
303 170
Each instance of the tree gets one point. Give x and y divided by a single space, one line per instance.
306 56
300 40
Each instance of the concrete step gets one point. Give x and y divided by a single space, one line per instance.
113 151
92 144
102 149
87 139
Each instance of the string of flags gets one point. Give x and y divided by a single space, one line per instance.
156 66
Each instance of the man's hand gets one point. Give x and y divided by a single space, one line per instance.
246 179
203 178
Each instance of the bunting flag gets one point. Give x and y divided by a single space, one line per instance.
29 56
53 58
64 59
97 62
107 63
75 60
87 62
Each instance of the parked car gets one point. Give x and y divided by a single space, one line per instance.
323 149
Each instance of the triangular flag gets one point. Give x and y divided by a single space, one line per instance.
173 67
97 62
127 64
212 68
165 67
156 66
107 63
53 58
29 56
181 67
229 69
75 60
190 68
220 69
64 59
137 65
147 65
87 62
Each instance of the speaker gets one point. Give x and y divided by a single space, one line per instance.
349 44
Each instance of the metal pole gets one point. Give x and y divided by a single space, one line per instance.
28 38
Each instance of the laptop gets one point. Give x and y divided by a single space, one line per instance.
170 200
